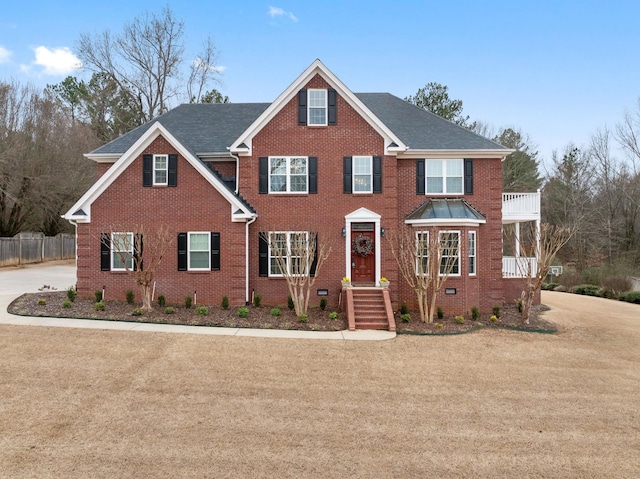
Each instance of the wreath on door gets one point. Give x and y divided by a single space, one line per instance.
362 245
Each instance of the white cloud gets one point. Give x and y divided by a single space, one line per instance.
57 61
198 63
279 12
4 54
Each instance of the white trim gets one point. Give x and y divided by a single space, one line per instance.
113 251
155 170
459 233
289 256
362 215
408 153
326 107
444 162
445 222
475 253
353 175
189 251
288 175
103 157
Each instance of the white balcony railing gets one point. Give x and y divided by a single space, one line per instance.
518 267
525 206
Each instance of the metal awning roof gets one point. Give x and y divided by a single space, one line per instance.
445 211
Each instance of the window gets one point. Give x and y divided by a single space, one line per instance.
444 177
362 174
288 174
449 245
317 107
472 253
422 256
288 249
122 251
199 250
160 169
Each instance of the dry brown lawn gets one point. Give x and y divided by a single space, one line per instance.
80 403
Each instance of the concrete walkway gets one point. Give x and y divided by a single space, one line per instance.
48 277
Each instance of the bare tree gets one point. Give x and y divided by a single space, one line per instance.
425 260
298 258
139 250
202 72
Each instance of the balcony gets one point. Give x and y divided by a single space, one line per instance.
513 267
518 207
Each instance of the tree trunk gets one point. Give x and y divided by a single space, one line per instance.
146 291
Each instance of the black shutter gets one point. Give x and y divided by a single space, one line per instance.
173 170
332 101
263 175
105 252
313 174
468 176
314 263
215 251
147 170
377 174
420 177
264 255
302 107
182 251
346 174
137 251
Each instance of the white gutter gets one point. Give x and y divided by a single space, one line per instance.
237 171
246 260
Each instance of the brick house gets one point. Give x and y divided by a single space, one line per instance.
348 166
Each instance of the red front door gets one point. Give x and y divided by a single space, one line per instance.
363 253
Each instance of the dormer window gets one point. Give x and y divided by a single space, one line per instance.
317 107
160 169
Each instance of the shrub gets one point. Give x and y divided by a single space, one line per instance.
290 304
493 318
188 302
496 311
323 304
617 284
129 295
99 306
161 300
630 297
257 300
404 309
202 310
549 286
520 306
459 319
607 293
66 304
440 313
333 315
585 289
439 325
98 295
136 312
303 318
275 311
475 312
405 317
243 312
169 310
71 294
225 302
42 302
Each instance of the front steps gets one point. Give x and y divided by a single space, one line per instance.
369 308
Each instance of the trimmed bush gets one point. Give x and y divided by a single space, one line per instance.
333 315
493 319
243 312
202 310
257 300
98 295
405 317
129 295
404 309
323 304
99 306
496 311
440 313
71 294
66 304
475 313
439 325
188 302
42 302
585 289
630 297
161 300
225 302
303 318
169 310
459 319
275 311
136 312
290 304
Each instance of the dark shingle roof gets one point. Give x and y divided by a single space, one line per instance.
420 129
445 209
203 128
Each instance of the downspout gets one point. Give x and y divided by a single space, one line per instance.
237 171
246 260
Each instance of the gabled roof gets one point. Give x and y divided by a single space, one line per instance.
445 212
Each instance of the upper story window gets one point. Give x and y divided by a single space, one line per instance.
317 107
288 174
160 169
444 177
362 174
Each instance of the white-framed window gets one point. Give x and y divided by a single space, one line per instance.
444 177
199 250
472 253
316 107
288 174
422 255
363 174
160 169
122 245
288 249
449 245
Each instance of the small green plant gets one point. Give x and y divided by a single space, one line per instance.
333 315
129 295
630 297
459 319
493 319
136 312
42 302
405 317
225 302
257 300
303 318
520 306
99 306
202 310
161 300
323 304
439 325
404 309
496 311
475 313
98 295
66 304
275 311
71 294
169 310
440 313
290 304
188 302
243 312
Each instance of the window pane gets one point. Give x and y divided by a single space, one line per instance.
362 183
434 185
278 166
434 168
317 116
454 185
361 165
161 176
161 162
117 260
298 166
199 259
299 183
454 168
199 242
317 98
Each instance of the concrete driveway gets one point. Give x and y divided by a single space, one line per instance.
28 279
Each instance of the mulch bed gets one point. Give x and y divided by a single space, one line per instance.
261 317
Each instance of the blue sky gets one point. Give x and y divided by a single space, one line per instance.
558 70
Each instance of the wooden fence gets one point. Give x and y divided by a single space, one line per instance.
26 248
